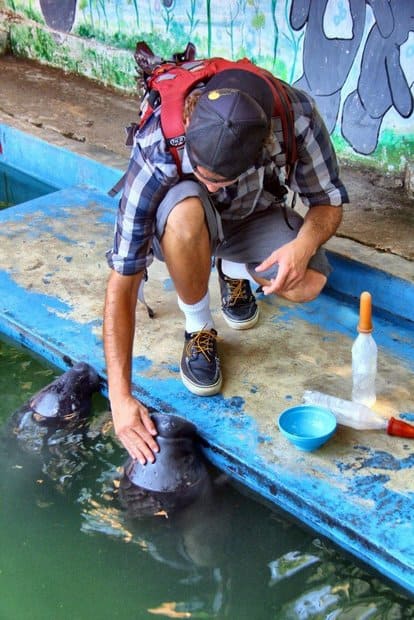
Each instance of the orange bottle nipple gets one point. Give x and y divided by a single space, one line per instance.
365 313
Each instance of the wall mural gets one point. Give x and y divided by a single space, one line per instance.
355 57
382 83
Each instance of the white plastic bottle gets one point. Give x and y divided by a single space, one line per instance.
364 356
346 412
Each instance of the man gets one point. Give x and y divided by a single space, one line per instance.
229 204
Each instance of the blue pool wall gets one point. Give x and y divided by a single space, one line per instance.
52 164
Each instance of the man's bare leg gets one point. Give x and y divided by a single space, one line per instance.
186 248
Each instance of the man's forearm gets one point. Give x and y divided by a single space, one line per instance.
118 331
320 224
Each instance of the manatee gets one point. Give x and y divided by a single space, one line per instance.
63 404
67 397
178 476
186 494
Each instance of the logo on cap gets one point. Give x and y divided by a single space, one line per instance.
214 94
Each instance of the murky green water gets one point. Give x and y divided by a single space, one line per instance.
68 551
17 187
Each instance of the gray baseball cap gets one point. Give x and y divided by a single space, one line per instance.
230 123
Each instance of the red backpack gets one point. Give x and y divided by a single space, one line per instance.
169 82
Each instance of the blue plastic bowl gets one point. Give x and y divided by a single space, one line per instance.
308 427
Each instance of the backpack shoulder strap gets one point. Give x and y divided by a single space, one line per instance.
284 110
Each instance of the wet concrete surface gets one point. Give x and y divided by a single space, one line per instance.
90 119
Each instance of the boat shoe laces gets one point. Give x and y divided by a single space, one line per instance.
239 291
200 364
238 304
203 342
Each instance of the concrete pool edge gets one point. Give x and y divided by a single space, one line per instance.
228 458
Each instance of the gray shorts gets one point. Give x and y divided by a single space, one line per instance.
249 240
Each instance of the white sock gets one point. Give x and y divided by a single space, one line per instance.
237 271
197 316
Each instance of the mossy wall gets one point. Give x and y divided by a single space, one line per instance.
353 56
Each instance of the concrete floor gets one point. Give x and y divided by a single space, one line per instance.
358 489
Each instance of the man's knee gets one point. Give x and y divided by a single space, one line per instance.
186 220
309 289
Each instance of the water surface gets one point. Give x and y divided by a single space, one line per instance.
17 187
69 551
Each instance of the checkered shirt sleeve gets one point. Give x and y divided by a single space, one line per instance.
150 174
315 176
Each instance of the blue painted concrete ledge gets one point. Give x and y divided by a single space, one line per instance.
358 490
